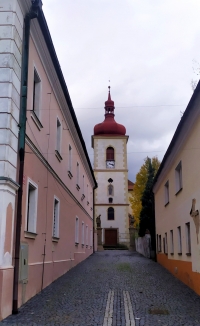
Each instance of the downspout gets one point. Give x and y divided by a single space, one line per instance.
33 13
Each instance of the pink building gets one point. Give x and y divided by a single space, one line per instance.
56 230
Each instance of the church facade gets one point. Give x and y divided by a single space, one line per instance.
110 169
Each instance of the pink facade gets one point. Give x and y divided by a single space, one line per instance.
58 182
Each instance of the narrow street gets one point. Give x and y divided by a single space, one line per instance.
112 288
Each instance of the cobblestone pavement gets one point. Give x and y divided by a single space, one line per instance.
112 288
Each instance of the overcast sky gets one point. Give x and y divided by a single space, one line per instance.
148 49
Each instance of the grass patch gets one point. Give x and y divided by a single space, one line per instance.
158 311
124 267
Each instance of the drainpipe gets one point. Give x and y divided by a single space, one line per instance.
33 13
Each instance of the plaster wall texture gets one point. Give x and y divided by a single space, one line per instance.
11 27
45 138
177 212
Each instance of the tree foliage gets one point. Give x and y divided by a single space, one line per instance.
140 185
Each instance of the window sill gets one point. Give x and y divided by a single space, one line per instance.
180 253
36 120
30 235
70 174
77 187
178 191
167 204
188 253
55 239
59 157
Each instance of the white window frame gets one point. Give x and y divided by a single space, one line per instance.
37 91
76 230
188 238
56 217
166 244
171 242
70 159
167 193
178 177
83 233
77 173
86 235
34 205
179 240
58 135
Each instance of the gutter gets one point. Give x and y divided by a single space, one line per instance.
33 13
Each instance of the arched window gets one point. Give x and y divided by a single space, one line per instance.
110 154
111 213
110 190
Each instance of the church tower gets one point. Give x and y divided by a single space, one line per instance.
110 168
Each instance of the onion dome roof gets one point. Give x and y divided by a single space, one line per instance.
109 126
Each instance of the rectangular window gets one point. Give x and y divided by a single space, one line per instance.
166 192
86 234
171 242
179 240
32 197
83 185
160 244
58 135
77 174
188 238
83 233
56 218
77 230
36 93
166 245
91 238
70 159
178 177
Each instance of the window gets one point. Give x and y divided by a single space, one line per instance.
70 160
56 218
86 234
179 240
110 153
36 93
32 196
110 199
188 238
87 195
111 215
167 193
77 174
91 238
159 243
58 136
166 246
178 177
83 233
171 242
83 190
110 190
77 230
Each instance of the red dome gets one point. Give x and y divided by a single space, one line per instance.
109 126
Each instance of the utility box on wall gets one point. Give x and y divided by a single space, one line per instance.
23 271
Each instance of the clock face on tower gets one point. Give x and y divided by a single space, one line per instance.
110 164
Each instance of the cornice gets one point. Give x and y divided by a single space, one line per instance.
54 174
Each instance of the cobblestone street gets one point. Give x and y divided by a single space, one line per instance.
117 288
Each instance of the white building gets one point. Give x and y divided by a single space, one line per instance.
110 168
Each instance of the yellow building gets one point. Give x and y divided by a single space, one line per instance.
177 199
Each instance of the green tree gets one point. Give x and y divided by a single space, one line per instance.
139 187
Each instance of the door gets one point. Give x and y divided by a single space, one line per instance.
110 237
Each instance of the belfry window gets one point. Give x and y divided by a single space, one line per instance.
110 153
110 190
111 213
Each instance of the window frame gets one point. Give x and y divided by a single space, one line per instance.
166 187
188 238
110 156
179 240
35 186
171 242
178 177
83 234
56 218
111 213
86 235
37 92
77 230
